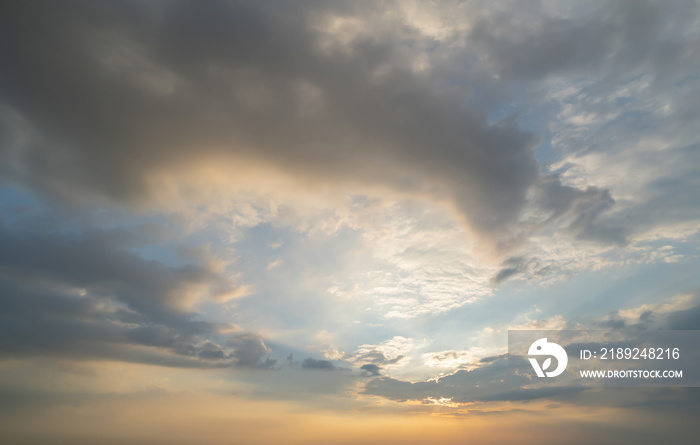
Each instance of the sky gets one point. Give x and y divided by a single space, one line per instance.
315 222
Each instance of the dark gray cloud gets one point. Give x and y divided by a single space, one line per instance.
510 378
646 320
250 351
688 319
312 363
370 370
670 199
145 88
654 318
580 209
377 358
495 380
96 262
87 295
521 266
140 88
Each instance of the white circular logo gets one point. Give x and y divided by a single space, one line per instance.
542 347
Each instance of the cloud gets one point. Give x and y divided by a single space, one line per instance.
521 266
389 353
150 105
612 38
370 370
86 293
380 170
251 352
677 312
311 363
496 380
94 261
579 208
452 359
358 123
509 378
687 319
